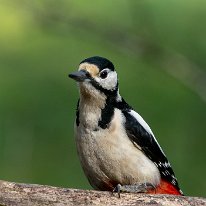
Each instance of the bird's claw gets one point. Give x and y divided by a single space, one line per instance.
117 189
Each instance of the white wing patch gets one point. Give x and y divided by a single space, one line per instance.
144 125
141 121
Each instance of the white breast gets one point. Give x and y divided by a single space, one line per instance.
110 155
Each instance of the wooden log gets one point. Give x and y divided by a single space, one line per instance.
14 194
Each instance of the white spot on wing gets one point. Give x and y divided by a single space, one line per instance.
144 125
173 182
167 172
167 164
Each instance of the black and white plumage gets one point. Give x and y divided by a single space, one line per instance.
114 143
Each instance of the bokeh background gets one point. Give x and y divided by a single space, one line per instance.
159 50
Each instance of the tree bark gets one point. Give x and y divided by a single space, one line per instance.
14 194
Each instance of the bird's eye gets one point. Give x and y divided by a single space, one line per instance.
103 74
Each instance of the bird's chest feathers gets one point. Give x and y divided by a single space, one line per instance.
104 149
97 143
90 113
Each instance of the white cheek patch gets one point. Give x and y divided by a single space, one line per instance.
109 82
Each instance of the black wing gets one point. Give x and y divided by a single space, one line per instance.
144 138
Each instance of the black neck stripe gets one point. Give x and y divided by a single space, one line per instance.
107 112
108 93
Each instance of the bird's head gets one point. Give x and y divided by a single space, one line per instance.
96 77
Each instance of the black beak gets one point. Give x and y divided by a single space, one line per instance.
80 76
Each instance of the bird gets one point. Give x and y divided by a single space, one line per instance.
116 147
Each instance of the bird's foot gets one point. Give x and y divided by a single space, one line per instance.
137 188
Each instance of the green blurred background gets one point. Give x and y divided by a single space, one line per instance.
158 48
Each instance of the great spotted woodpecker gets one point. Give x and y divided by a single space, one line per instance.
117 149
